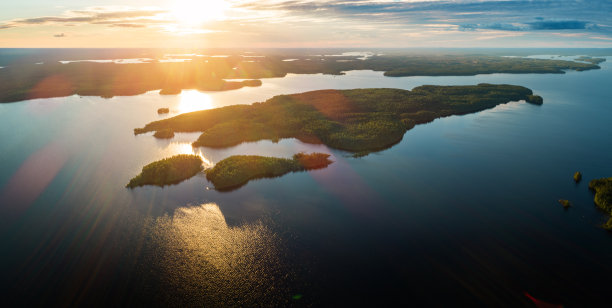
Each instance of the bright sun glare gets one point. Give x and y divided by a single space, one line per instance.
194 100
195 12
186 148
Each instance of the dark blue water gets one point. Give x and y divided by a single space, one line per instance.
463 211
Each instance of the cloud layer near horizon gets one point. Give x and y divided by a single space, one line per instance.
337 23
99 15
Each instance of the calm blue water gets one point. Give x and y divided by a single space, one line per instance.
463 210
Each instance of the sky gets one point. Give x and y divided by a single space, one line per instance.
305 23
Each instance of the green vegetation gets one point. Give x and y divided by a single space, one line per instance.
163 110
577 176
566 203
236 171
608 225
535 99
52 79
109 79
361 120
168 171
590 59
473 65
164 134
398 64
603 196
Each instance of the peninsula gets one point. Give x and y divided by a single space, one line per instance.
360 120
235 171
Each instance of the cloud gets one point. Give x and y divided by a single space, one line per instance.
561 25
465 15
533 26
457 19
119 17
359 22
601 38
130 13
128 25
59 35
491 11
493 26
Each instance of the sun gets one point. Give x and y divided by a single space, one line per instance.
195 12
194 100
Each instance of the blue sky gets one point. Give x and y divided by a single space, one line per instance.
326 23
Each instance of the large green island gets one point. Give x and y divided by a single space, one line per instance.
603 197
360 120
235 171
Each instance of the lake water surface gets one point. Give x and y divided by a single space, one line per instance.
463 209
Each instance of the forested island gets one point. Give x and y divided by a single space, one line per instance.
566 203
107 80
235 171
360 120
590 59
603 197
209 73
168 171
164 134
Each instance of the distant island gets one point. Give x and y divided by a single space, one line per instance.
473 65
360 120
603 197
168 171
235 171
577 176
590 59
566 203
28 81
107 80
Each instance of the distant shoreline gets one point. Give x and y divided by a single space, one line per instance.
215 73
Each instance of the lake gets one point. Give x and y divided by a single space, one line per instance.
462 210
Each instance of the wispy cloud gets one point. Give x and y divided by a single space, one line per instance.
534 26
373 22
113 16
465 15
128 25
602 38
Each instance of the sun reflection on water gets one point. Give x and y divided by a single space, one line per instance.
212 262
194 100
186 148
